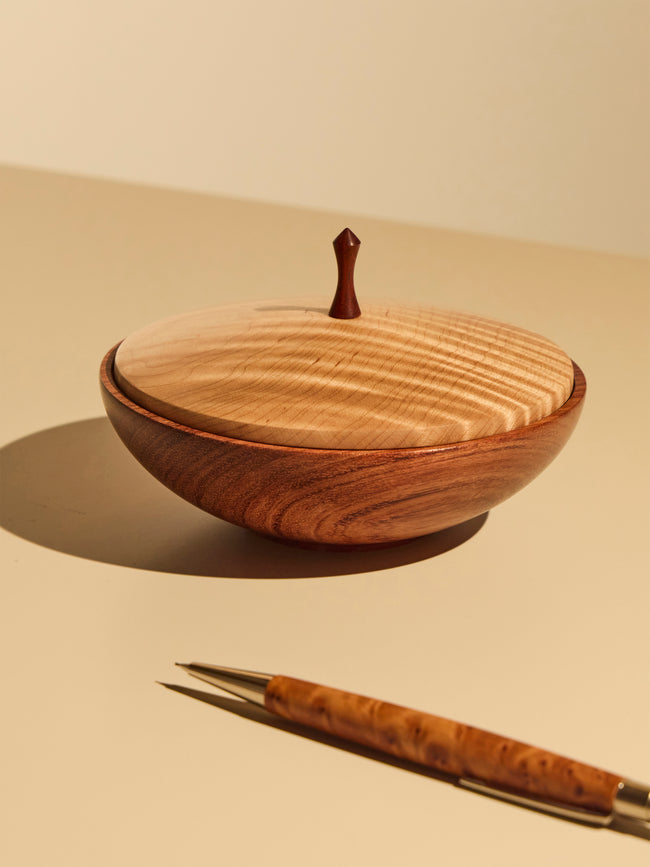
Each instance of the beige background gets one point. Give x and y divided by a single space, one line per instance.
525 118
535 627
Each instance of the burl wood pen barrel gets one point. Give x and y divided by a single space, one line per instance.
443 745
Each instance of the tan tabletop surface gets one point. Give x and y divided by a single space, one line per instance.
535 627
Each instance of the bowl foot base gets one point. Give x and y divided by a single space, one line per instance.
429 545
325 546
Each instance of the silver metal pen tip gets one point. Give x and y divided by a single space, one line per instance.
249 685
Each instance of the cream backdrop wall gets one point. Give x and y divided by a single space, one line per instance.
526 118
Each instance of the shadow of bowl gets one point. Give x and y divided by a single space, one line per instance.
75 489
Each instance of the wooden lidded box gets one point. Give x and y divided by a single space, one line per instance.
341 426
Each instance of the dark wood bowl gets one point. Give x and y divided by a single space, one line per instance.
338 497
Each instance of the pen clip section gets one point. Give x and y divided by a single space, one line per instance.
573 814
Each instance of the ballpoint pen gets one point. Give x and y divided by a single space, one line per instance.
476 759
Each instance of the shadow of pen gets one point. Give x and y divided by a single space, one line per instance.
258 714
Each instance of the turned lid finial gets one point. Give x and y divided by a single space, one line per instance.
345 305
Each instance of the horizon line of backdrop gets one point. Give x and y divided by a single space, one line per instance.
522 118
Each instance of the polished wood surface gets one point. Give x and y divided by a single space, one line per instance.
338 497
286 373
443 745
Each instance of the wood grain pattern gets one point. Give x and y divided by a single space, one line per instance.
338 497
395 377
445 746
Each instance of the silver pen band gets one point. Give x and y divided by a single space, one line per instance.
632 801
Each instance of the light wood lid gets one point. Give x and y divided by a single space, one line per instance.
286 373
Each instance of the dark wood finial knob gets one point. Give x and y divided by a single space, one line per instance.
346 247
